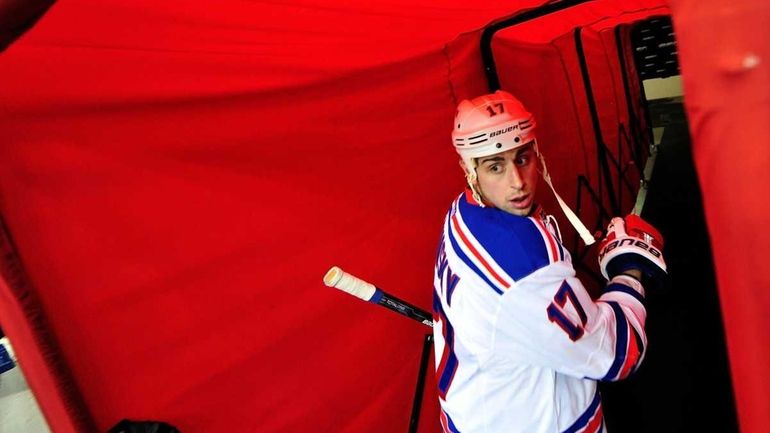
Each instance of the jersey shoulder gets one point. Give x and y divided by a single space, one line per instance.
516 245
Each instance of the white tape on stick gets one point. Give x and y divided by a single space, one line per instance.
357 287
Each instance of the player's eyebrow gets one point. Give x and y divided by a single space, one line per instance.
492 158
526 147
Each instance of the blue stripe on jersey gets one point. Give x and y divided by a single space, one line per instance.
514 242
585 418
467 261
618 287
446 375
451 282
621 343
440 257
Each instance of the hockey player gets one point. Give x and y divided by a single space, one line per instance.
520 344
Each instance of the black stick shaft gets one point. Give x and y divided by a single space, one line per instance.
402 307
366 291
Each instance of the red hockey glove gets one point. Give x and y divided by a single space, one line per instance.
632 243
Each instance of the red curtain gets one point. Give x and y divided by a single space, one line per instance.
724 52
176 179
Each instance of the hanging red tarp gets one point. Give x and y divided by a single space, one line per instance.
177 178
724 51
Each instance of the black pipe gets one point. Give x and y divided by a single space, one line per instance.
486 36
414 419
632 118
601 149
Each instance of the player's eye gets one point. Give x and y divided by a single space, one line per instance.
495 168
523 159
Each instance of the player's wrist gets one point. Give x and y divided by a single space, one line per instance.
633 273
629 281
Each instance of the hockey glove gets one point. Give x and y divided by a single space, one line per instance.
632 243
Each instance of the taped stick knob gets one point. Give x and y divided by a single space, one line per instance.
337 278
332 276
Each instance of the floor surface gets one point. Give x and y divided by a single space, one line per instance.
19 412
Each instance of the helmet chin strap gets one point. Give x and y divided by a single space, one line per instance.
471 177
573 219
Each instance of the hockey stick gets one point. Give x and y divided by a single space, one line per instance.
359 288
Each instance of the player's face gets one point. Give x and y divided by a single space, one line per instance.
508 179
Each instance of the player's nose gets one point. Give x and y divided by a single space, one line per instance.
515 179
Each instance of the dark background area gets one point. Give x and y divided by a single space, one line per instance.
684 383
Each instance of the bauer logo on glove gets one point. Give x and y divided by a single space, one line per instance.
632 243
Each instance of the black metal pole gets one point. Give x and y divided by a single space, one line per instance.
486 37
601 148
414 420
632 119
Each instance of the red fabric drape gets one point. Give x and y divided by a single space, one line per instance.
724 51
178 177
178 248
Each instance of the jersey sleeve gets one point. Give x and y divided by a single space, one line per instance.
544 315
549 319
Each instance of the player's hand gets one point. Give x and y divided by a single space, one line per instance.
631 243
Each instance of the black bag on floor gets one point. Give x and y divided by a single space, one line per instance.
127 426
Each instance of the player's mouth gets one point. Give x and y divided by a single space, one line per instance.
521 202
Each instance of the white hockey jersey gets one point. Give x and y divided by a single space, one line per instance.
519 342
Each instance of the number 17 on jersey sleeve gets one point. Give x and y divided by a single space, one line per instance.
557 315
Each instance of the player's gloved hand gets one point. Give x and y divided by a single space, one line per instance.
632 243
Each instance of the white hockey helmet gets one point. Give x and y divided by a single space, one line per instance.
490 124
494 123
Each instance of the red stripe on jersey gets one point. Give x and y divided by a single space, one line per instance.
470 198
632 354
444 422
551 241
476 253
596 422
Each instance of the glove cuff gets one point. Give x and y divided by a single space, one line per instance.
628 280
